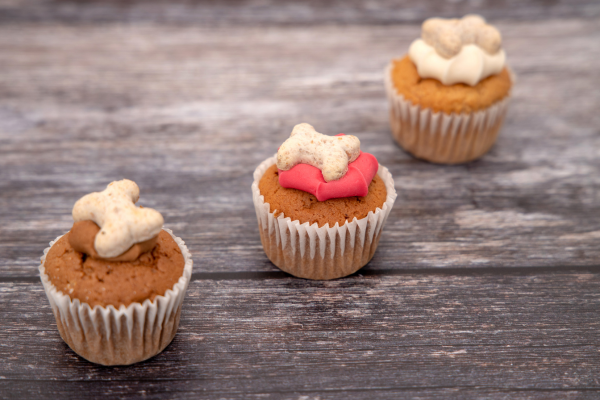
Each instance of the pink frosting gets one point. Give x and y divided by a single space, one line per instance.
310 179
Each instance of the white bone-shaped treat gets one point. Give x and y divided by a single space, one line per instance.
121 223
448 36
331 154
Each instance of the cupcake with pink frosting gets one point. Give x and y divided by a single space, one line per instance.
321 204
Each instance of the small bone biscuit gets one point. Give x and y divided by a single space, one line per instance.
122 223
429 30
448 36
443 35
473 19
83 234
331 154
469 26
449 41
489 39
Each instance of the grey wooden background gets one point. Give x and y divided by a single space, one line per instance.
486 283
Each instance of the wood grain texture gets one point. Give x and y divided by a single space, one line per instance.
306 12
486 281
512 335
189 112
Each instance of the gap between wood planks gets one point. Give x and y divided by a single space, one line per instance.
261 275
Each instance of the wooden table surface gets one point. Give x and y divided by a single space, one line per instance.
486 282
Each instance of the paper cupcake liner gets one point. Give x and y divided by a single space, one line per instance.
439 137
110 336
307 251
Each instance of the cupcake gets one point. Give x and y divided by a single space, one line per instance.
116 280
449 95
321 204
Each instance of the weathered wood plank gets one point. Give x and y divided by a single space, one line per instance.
486 283
158 390
510 335
189 112
285 12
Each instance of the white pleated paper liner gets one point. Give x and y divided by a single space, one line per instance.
110 336
310 252
439 137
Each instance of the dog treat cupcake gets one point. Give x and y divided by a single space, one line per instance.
449 95
321 204
116 280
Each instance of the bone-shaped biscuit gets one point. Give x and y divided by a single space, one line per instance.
331 154
448 36
121 223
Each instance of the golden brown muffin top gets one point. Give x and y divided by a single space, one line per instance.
304 207
457 98
100 282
